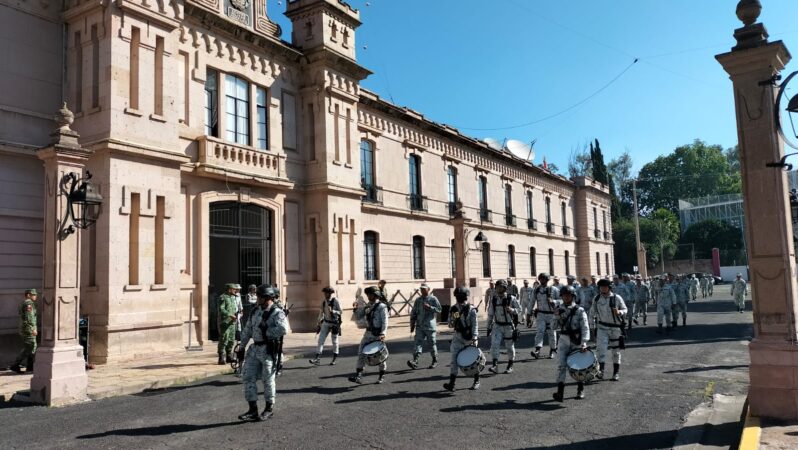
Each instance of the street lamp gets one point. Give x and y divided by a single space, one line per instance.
84 203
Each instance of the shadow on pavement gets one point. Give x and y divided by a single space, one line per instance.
397 395
168 366
544 405
707 368
158 431
166 390
438 377
317 390
527 385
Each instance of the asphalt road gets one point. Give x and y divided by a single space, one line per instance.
662 380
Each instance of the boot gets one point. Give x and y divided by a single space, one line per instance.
413 364
552 352
495 367
580 390
668 330
674 323
684 320
644 320
659 329
268 411
316 361
335 356
221 361
509 368
229 358
381 378
615 369
16 368
600 374
29 365
358 377
434 362
536 353
558 396
450 385
252 414
475 386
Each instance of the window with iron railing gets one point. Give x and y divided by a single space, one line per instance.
418 258
597 234
566 230
451 207
485 215
417 202
532 224
606 236
373 194
509 218
549 227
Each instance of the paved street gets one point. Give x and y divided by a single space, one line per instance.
662 380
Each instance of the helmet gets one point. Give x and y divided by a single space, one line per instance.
461 292
276 291
328 289
502 283
568 290
544 275
251 287
604 282
372 290
264 290
229 286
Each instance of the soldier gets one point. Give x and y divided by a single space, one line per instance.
381 287
571 281
703 284
376 314
585 293
425 324
609 310
502 325
656 287
526 300
329 323
667 298
642 294
227 318
239 311
682 297
512 289
710 285
266 328
463 318
489 293
544 304
250 302
556 285
739 289
692 283
27 331
574 331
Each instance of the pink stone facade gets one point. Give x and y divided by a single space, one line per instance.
282 132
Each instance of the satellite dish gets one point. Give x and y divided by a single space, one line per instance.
521 149
494 143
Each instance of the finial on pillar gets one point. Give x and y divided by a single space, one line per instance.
64 118
748 11
63 135
752 34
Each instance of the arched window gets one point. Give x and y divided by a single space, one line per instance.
418 258
367 170
451 175
511 260
483 199
486 260
416 202
551 262
567 263
370 255
533 255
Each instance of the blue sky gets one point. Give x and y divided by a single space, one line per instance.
499 63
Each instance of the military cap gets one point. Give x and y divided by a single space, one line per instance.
567 290
230 286
544 275
237 286
251 287
31 292
570 277
264 290
604 282
615 275
328 289
593 277
424 286
502 283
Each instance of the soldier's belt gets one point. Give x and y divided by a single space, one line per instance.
607 324
545 312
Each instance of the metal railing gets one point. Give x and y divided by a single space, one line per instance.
606 236
532 224
566 230
452 208
597 233
509 219
417 202
373 194
550 227
485 215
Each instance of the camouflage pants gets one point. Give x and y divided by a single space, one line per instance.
227 338
258 364
28 350
423 336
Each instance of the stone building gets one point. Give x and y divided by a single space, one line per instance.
225 154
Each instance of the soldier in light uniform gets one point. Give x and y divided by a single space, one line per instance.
546 299
27 331
739 289
710 285
667 298
692 283
239 311
424 322
266 327
376 314
489 293
463 318
609 310
526 300
574 331
703 283
227 318
642 294
502 325
250 302
555 283
682 297
329 323
656 288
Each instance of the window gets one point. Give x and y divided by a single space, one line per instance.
367 170
236 91
416 202
454 260
95 67
158 81
511 261
598 263
607 263
508 205
551 262
262 117
530 212
564 213
486 260
78 73
604 220
548 210
567 263
595 223
370 255
418 258
484 213
533 265
451 174
211 103
135 46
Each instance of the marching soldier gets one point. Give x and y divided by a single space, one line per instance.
425 324
239 311
329 323
463 318
682 297
383 290
526 300
227 318
489 293
555 283
376 314
656 288
544 304
739 289
692 283
710 285
609 310
574 331
703 284
266 327
28 332
642 294
585 293
502 325
667 298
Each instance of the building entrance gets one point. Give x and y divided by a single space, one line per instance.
240 251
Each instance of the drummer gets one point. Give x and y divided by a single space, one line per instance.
571 321
376 315
463 318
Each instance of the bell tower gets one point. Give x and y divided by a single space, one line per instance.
324 24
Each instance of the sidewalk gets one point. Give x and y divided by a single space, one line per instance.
768 434
130 377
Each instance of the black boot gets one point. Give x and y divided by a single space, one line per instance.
229 358
615 369
659 329
16 368
268 411
358 377
434 362
509 368
335 356
315 361
221 360
536 353
381 379
252 414
495 367
644 320
552 352
600 374
475 386
413 364
560 392
684 320
450 385
29 365
580 390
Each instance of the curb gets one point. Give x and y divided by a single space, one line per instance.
752 431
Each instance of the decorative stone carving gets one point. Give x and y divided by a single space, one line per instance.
748 11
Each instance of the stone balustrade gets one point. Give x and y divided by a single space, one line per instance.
219 158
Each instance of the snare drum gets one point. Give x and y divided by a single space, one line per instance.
375 352
470 360
582 366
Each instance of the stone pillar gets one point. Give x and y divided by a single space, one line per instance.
460 250
59 374
752 65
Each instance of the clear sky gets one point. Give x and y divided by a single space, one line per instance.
499 63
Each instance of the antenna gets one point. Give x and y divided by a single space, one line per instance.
521 150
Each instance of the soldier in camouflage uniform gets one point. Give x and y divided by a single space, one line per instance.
266 327
375 312
463 319
739 289
424 323
227 318
572 323
27 331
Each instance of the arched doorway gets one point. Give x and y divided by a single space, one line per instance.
240 251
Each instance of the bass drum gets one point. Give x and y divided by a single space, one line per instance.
471 360
376 353
582 366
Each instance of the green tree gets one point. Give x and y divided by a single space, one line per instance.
580 162
625 248
709 234
694 170
659 233
620 170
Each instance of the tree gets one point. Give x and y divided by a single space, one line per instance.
625 248
694 170
620 170
600 173
709 234
580 163
659 233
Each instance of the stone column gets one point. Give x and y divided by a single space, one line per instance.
460 249
59 374
752 65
